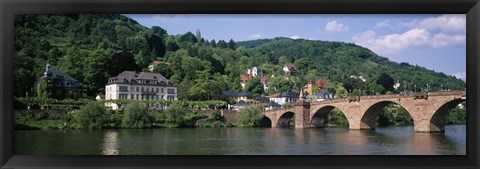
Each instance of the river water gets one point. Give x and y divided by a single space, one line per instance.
242 141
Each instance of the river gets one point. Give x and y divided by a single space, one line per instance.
242 141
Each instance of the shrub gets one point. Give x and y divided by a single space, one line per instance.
91 115
174 116
249 117
136 116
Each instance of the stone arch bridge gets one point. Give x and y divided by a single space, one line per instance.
428 110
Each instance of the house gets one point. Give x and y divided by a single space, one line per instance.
262 99
244 79
63 85
322 95
254 71
272 106
100 97
265 81
245 96
289 68
240 105
140 86
285 97
319 84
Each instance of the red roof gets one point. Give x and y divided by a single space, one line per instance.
244 78
291 66
264 80
320 83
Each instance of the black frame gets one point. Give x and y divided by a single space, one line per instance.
8 8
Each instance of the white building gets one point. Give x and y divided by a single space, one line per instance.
140 86
254 71
285 97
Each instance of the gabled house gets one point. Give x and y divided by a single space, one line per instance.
265 81
289 68
322 95
244 79
285 97
254 71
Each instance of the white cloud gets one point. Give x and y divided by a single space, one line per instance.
442 40
334 26
255 36
437 32
383 24
461 75
391 43
446 23
295 37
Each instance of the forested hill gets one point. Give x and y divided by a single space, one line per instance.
93 48
338 61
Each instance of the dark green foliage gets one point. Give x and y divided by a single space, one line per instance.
188 37
91 116
164 69
386 81
174 116
136 116
394 115
254 86
249 117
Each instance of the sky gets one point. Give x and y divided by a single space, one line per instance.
436 42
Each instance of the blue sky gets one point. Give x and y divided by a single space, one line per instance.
436 42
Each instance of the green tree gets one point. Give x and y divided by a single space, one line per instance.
254 86
249 117
174 116
136 116
91 115
386 81
164 69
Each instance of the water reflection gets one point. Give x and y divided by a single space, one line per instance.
242 141
110 144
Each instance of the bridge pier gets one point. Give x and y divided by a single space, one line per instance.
302 114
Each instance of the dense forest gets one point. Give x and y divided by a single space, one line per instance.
93 48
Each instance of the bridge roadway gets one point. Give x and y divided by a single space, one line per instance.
428 110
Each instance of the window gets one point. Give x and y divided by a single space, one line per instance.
171 91
162 90
123 88
157 90
142 89
137 89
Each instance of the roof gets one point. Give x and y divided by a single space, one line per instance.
323 94
287 94
245 94
244 77
155 63
52 72
262 97
272 104
242 103
291 66
135 77
264 80
229 93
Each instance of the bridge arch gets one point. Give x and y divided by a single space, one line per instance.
285 118
320 116
437 122
266 122
369 117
